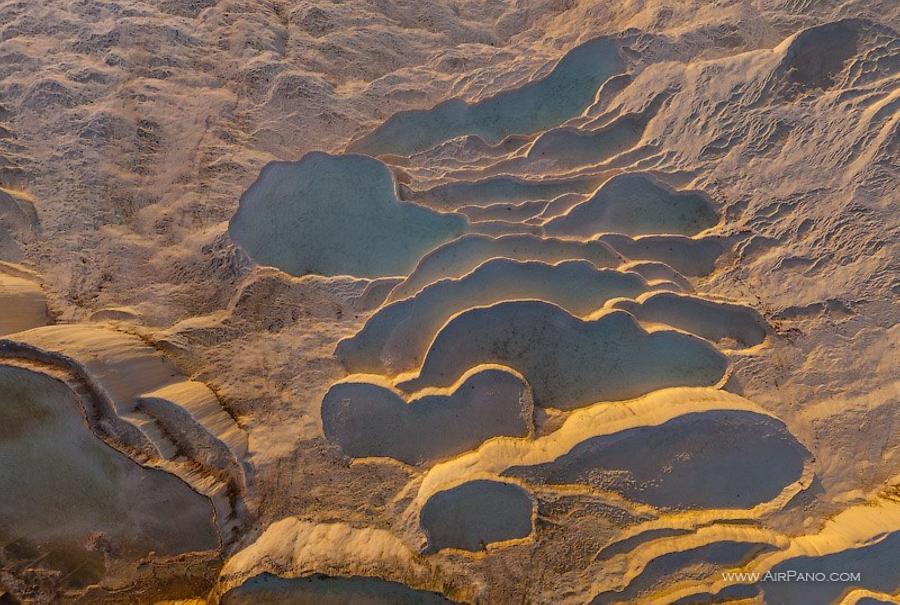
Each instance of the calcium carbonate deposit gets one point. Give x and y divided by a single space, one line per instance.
466 301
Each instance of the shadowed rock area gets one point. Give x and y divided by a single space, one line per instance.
22 299
415 301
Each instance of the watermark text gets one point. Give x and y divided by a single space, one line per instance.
791 575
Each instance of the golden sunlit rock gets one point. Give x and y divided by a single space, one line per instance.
449 301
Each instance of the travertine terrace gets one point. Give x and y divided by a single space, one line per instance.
482 302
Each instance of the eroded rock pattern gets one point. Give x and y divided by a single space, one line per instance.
448 302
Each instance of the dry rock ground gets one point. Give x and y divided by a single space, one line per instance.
131 129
